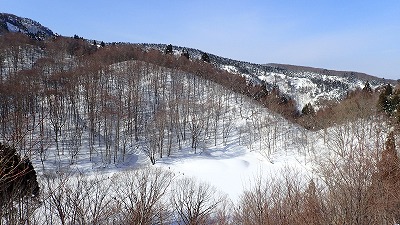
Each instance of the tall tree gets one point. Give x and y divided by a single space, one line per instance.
205 57
385 193
18 184
308 109
185 53
168 49
384 102
367 87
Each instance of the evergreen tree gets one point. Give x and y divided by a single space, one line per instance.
168 50
308 109
386 101
388 180
388 166
367 87
388 90
383 102
17 177
393 103
390 148
398 113
384 194
185 53
205 57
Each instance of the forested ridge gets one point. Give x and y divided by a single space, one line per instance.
63 99
118 93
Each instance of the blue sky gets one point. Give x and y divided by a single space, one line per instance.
354 35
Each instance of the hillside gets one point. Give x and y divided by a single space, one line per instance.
351 74
126 133
13 23
302 84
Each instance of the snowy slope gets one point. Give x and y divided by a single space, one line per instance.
303 84
12 23
259 142
232 175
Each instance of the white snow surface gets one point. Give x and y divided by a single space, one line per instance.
230 69
304 87
231 171
12 27
268 145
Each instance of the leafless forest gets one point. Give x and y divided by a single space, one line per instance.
66 98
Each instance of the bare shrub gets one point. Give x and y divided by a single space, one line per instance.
196 202
142 193
77 199
286 200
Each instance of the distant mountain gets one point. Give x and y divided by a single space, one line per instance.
358 75
300 83
13 23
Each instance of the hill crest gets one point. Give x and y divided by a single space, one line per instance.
14 24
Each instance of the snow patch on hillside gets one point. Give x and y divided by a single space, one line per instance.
12 27
230 69
231 175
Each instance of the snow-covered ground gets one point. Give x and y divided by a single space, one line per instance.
260 142
257 143
230 167
233 168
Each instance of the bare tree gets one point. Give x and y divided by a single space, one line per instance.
194 202
254 205
77 199
142 196
196 129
